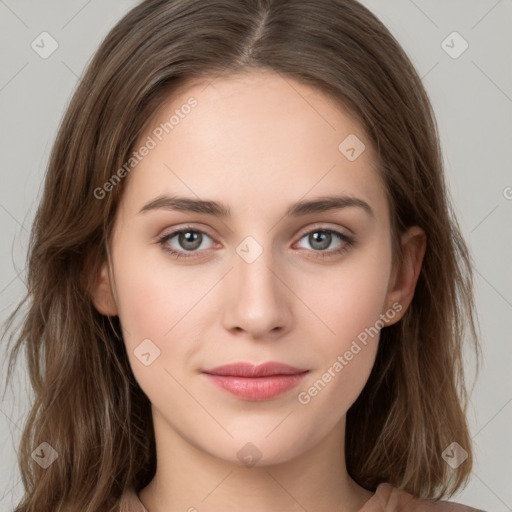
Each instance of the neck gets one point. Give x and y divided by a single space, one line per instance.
189 479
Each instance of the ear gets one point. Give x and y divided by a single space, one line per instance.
101 292
405 274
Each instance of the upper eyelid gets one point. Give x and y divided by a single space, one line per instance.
324 227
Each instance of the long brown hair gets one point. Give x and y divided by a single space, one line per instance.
88 405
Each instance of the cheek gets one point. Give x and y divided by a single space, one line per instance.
155 305
349 298
349 303
153 294
344 357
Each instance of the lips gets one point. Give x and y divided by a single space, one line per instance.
250 382
250 370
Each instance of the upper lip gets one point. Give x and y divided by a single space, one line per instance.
250 370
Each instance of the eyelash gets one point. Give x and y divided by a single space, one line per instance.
348 242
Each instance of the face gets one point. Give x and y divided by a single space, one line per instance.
268 282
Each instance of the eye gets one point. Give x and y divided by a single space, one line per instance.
188 240
320 239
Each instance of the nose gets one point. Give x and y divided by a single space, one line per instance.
258 299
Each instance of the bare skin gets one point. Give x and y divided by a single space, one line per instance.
257 145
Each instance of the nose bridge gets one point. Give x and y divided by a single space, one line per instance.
258 304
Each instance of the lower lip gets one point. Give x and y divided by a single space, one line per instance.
257 388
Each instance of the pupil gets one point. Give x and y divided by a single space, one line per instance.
189 240
317 237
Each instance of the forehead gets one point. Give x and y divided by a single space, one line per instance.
253 140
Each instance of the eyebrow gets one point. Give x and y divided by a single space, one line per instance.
298 209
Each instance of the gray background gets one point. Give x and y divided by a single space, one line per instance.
472 98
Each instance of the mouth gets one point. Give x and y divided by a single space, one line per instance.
255 383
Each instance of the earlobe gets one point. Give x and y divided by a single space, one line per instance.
404 278
101 293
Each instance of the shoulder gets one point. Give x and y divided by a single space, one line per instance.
129 502
391 499
386 499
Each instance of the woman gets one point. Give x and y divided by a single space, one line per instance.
246 282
